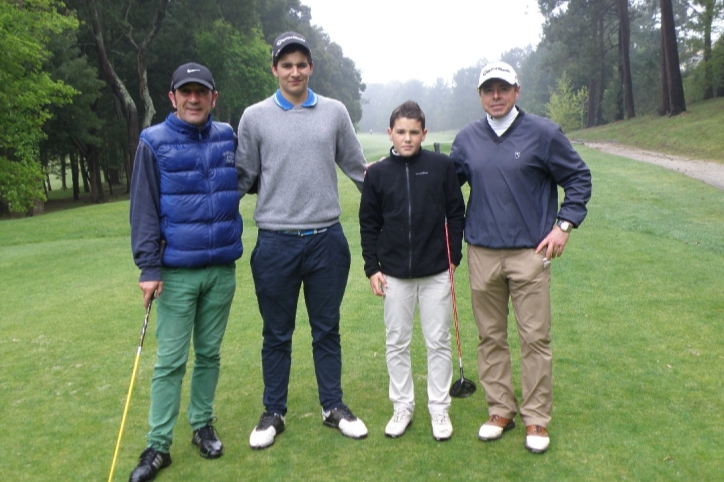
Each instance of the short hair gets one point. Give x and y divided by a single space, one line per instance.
408 110
290 49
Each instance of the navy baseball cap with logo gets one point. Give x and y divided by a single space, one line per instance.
192 72
286 39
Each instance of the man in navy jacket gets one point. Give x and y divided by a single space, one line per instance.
514 163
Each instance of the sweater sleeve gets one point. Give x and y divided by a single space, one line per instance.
350 157
145 214
248 158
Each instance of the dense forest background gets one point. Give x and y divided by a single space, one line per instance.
81 78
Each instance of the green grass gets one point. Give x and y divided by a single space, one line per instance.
694 134
638 357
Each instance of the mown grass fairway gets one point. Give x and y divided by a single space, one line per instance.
637 337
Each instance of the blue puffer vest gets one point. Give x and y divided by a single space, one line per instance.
200 219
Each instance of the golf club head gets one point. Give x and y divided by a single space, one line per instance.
462 388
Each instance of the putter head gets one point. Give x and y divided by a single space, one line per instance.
462 388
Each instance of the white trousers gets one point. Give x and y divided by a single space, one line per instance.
432 293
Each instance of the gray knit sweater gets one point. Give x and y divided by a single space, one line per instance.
293 151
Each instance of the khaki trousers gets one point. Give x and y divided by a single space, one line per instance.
497 276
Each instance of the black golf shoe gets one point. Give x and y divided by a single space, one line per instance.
209 444
149 463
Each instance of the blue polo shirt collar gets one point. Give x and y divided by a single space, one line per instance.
286 105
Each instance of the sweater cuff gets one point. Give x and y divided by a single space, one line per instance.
150 274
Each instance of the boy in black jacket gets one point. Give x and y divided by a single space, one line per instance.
406 200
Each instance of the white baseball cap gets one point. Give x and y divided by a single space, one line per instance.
498 70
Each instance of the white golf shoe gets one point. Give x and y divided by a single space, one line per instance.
442 428
399 422
495 426
270 425
343 419
536 439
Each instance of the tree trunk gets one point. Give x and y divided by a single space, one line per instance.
149 109
601 71
677 102
74 176
108 180
94 168
708 18
63 173
591 109
664 99
83 161
624 43
130 112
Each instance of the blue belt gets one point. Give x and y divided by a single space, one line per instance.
303 232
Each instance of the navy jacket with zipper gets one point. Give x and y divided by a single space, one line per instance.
405 202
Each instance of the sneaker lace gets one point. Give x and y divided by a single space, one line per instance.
441 418
399 415
344 412
266 420
207 432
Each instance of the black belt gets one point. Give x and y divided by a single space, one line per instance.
303 232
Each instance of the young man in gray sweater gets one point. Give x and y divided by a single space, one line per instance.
289 147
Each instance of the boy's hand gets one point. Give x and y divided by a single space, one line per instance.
378 283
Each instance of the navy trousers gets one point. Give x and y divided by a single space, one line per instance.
281 264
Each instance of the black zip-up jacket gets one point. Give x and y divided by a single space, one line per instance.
405 202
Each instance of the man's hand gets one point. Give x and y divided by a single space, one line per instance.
149 288
378 283
554 243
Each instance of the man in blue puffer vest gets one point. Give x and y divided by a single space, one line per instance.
186 238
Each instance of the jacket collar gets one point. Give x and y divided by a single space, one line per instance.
185 128
395 156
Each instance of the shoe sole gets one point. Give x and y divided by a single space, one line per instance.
389 435
262 447
536 451
333 425
442 439
510 426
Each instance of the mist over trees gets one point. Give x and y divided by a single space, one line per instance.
81 78
614 52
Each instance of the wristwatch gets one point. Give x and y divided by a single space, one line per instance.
565 226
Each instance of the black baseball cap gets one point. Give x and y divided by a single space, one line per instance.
286 39
192 72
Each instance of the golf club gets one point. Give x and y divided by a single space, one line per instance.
462 388
130 388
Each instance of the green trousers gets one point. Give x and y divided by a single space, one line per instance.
194 302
